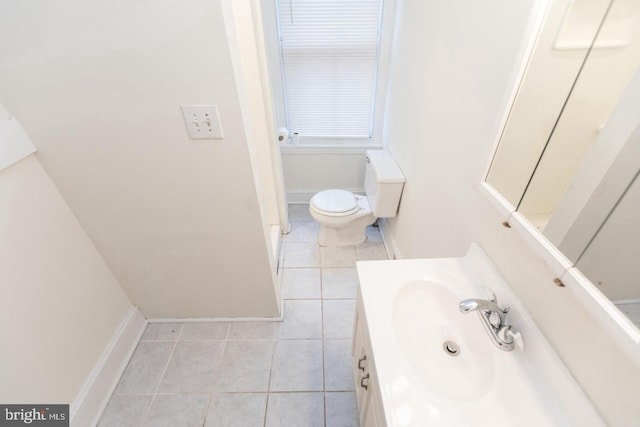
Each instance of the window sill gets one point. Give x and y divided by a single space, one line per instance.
353 148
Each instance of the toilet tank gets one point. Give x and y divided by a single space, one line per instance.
383 183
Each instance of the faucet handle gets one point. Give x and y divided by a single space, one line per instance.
489 291
510 336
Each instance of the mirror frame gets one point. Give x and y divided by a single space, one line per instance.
590 297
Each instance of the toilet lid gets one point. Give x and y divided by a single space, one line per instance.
337 202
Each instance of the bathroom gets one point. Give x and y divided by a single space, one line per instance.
120 218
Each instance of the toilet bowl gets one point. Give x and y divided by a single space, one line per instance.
344 216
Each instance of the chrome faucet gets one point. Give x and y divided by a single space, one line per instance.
492 317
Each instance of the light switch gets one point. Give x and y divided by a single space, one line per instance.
203 121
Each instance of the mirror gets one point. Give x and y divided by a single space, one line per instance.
569 156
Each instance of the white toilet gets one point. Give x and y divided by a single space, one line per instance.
344 216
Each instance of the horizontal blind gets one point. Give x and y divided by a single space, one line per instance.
329 56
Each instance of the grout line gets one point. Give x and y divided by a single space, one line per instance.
273 355
217 376
266 406
206 414
324 404
324 386
226 337
164 372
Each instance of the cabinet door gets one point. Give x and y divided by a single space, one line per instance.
369 417
359 362
367 392
374 412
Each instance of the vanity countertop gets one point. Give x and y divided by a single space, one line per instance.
410 307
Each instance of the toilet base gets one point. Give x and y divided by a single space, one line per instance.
353 234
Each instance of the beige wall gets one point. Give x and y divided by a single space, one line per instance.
442 123
99 90
60 302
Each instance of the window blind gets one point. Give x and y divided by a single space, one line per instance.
329 61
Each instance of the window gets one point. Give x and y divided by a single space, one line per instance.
329 52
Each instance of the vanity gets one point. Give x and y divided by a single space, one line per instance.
418 360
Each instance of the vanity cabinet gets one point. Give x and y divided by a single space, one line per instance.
367 390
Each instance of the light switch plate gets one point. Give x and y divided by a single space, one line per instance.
203 121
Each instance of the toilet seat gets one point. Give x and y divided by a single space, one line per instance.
335 203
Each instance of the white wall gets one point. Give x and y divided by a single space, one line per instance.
99 90
60 302
453 68
306 173
244 53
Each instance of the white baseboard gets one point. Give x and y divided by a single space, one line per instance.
94 395
215 319
303 196
627 301
389 241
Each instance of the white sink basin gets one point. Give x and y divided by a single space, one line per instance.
411 309
448 349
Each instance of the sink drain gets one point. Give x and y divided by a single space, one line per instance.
451 348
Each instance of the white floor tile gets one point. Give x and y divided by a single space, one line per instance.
338 257
246 366
303 232
237 362
339 283
338 375
342 409
295 410
302 319
373 234
237 410
145 368
297 366
161 332
301 255
299 213
252 330
204 331
125 411
171 410
338 317
301 283
193 367
369 251
631 310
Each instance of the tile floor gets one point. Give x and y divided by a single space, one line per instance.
631 309
276 374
